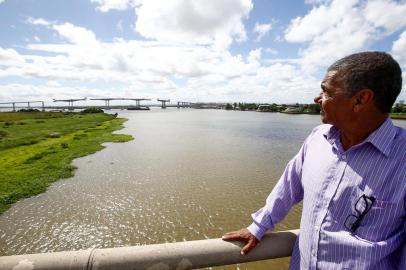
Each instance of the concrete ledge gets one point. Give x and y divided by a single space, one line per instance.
179 256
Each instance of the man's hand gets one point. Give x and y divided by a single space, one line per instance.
242 235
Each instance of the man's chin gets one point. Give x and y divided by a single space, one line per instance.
323 118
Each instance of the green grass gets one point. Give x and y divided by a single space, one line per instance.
398 115
37 149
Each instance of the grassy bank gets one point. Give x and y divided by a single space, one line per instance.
398 116
37 149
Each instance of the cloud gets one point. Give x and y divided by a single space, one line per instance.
399 46
122 60
72 33
151 68
271 51
317 2
10 57
217 22
47 92
119 25
386 14
272 83
75 34
337 28
322 20
37 21
286 81
254 56
262 30
326 26
107 5
399 49
146 64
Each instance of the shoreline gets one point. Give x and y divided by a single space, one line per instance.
398 116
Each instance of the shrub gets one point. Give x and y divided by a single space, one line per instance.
29 110
92 110
3 134
34 158
29 142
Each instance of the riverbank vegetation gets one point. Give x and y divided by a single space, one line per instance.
398 116
398 110
37 148
283 108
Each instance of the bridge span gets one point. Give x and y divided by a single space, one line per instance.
14 105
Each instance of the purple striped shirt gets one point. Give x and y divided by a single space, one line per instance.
330 180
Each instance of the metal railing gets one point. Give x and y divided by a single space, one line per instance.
179 256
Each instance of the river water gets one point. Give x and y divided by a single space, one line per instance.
187 175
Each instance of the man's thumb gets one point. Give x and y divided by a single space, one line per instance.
247 248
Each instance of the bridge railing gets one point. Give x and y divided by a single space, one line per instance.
179 256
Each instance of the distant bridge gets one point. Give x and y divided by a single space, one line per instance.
14 105
70 108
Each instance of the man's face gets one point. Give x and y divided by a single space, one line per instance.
336 107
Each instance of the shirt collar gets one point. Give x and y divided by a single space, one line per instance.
332 135
381 138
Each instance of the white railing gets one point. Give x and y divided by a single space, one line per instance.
179 256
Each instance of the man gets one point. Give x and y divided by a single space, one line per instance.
350 175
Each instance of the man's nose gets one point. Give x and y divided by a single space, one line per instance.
317 99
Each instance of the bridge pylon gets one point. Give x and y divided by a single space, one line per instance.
107 101
138 101
163 101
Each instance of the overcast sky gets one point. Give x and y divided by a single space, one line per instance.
187 50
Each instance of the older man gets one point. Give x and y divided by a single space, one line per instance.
350 175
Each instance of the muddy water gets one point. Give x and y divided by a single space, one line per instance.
187 175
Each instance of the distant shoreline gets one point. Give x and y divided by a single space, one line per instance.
398 116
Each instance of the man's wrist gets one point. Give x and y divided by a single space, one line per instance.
256 230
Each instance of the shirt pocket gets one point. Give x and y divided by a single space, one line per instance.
381 221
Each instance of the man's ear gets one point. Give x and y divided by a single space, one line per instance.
363 98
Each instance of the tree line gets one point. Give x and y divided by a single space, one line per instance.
313 108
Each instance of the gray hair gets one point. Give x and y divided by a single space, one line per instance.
377 71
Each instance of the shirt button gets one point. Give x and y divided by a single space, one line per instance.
313 252
343 157
316 228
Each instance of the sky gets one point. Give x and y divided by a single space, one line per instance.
262 51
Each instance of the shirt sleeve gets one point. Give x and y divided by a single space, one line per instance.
287 192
